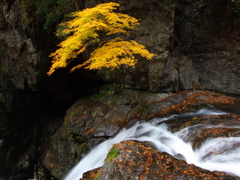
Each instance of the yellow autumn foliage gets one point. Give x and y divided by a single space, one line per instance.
115 53
84 29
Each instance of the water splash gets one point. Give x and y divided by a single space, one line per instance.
164 140
95 158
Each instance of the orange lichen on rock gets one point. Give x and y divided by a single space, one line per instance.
118 121
193 98
90 131
93 174
138 160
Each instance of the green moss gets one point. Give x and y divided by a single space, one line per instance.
112 154
48 12
81 148
99 97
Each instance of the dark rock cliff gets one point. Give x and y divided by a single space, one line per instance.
197 46
195 42
28 98
19 77
206 46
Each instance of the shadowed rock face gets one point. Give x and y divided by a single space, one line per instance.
207 45
27 95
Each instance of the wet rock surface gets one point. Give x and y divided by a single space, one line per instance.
188 101
138 160
198 129
91 121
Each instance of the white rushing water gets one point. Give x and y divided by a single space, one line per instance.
172 143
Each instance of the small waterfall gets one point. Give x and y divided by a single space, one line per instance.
157 133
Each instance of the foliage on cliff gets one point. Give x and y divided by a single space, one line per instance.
88 27
48 12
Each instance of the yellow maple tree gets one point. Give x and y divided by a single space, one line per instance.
85 29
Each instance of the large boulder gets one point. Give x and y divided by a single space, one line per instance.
139 160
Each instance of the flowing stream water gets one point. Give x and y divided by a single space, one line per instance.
156 132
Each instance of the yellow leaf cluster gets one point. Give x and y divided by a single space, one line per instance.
115 53
84 29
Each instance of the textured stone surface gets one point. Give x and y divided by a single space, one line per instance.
187 101
138 160
18 56
191 51
92 120
206 54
